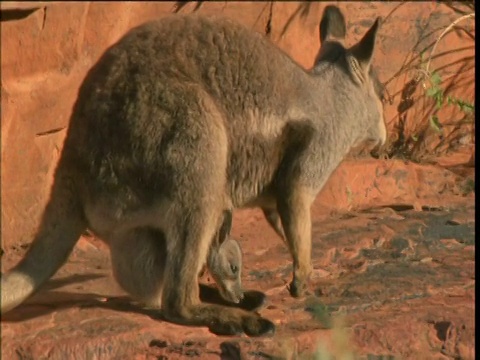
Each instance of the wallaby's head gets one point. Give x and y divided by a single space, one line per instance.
225 265
361 90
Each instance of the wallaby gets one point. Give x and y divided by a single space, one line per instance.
187 116
146 258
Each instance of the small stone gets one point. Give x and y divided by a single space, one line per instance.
158 343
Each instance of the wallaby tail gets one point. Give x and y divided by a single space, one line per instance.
60 228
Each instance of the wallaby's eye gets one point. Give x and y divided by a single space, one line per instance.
234 268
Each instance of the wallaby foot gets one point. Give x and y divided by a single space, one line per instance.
221 320
297 288
252 300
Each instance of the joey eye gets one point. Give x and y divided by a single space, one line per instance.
234 268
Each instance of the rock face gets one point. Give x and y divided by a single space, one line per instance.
403 276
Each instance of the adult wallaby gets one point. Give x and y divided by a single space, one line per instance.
139 266
190 115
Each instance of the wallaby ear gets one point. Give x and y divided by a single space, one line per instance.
226 226
332 25
363 50
231 244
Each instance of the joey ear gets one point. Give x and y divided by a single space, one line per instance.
231 249
332 26
363 50
226 226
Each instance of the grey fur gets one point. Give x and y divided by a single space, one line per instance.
143 251
225 263
225 266
189 115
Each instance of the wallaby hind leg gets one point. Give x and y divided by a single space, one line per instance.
193 219
60 228
181 302
294 197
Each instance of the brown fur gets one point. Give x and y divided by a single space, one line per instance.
184 117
